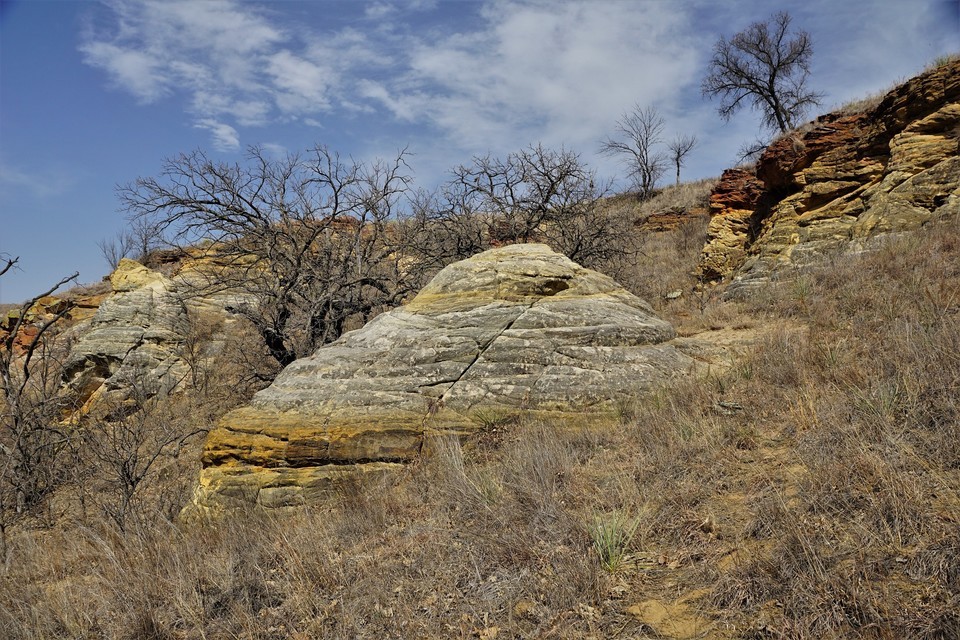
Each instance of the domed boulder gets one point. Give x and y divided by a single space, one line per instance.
513 328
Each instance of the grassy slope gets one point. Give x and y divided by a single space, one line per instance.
811 491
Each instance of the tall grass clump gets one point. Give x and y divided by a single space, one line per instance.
612 536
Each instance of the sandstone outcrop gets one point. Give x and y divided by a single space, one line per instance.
134 338
513 328
669 220
848 179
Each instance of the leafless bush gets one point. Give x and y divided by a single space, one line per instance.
122 447
533 195
34 443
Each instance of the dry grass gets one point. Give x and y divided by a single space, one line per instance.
872 430
811 491
686 196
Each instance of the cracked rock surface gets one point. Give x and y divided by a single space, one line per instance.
517 327
134 338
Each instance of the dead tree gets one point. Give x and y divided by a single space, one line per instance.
638 133
307 239
680 147
766 66
33 440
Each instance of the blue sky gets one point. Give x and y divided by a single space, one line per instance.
95 94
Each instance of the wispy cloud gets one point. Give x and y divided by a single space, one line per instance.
225 137
504 74
541 71
229 59
136 71
558 73
42 184
274 149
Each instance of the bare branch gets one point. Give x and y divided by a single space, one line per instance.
766 66
10 262
637 135
305 237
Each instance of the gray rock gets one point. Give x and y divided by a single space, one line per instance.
514 328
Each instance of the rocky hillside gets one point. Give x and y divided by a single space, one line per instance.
840 183
546 457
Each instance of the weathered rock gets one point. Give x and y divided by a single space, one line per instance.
515 328
671 219
134 338
135 335
732 226
840 184
130 275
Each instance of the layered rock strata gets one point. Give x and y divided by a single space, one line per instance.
842 183
134 339
514 328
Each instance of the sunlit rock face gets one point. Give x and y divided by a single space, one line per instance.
134 338
133 341
514 328
847 181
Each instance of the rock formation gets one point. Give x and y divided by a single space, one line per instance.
517 327
848 179
132 339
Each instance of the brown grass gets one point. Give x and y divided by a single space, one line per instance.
810 491
685 196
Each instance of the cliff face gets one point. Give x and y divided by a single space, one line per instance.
849 179
135 336
133 339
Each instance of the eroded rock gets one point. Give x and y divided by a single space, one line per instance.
515 328
133 339
841 184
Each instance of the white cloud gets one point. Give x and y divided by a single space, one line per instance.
872 56
225 137
228 59
379 10
301 84
274 149
558 73
135 71
43 184
521 72
491 75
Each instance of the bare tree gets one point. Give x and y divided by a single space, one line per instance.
123 446
536 194
637 135
307 238
116 248
32 403
445 226
767 66
136 241
680 147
